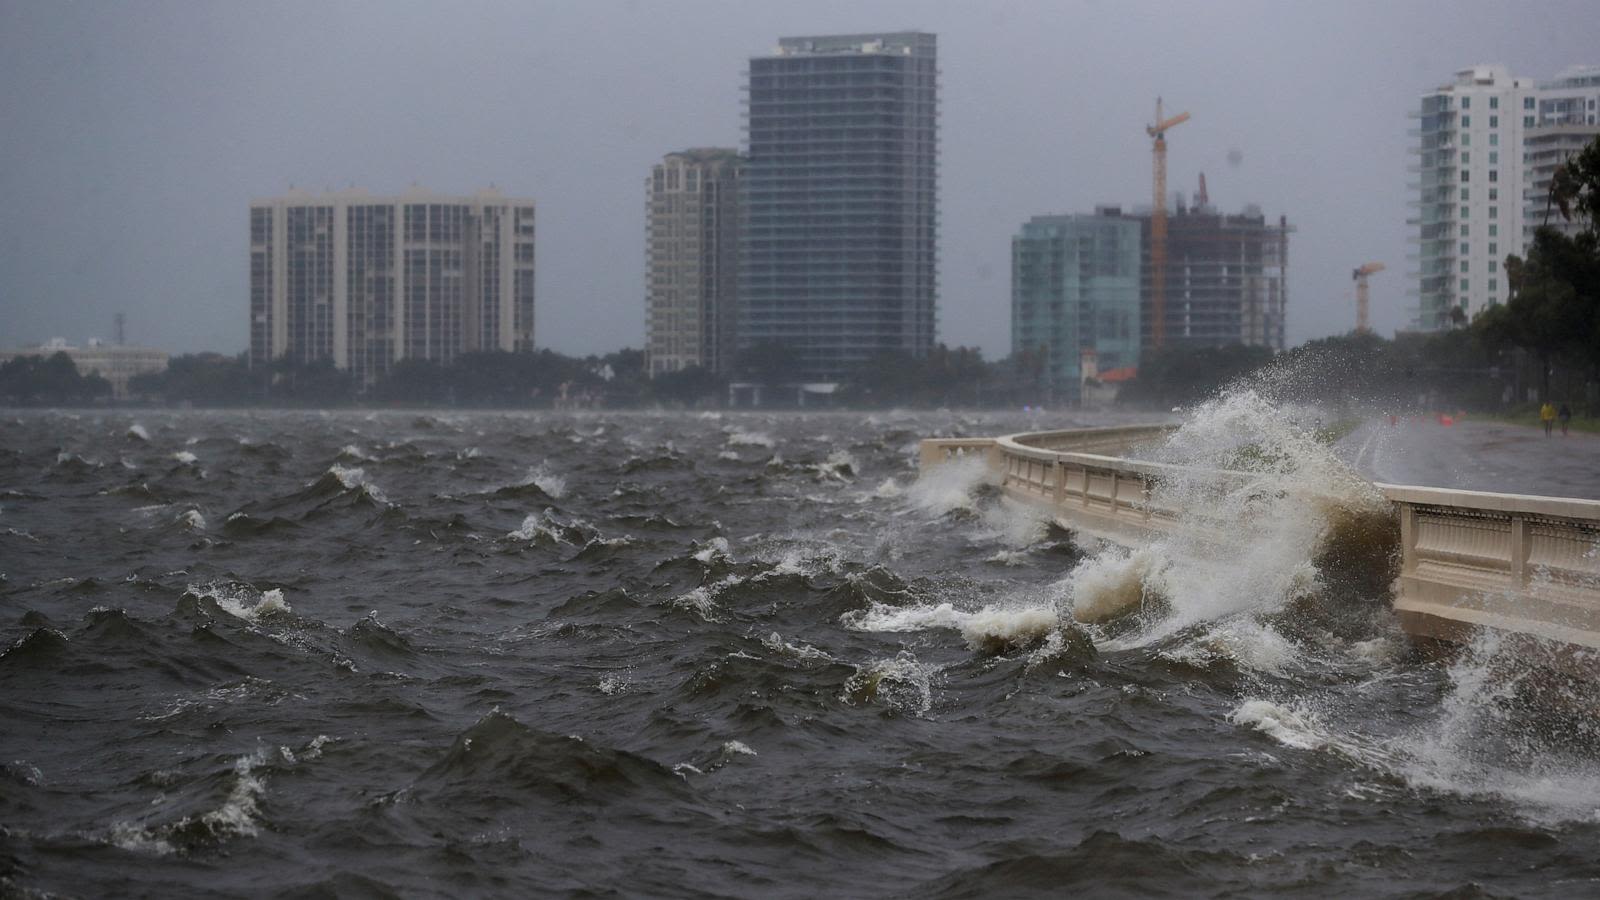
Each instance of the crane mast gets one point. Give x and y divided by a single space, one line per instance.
1158 226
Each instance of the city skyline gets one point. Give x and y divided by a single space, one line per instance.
180 113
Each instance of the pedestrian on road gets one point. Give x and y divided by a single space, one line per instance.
1547 416
1565 415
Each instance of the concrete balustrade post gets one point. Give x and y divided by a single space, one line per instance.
1520 539
1408 539
1061 481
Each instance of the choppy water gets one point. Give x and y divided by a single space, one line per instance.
434 654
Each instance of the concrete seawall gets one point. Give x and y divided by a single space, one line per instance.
1526 567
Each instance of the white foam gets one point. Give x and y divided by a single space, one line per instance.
737 748
839 466
902 683
355 479
138 432
738 437
889 490
244 602
716 548
1286 725
989 628
541 477
192 520
777 644
186 458
949 486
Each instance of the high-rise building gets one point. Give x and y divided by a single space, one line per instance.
1485 141
1227 278
840 203
1075 291
1566 120
692 260
365 281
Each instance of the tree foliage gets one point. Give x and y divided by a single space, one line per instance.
1553 311
49 381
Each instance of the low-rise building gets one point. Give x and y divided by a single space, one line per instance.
115 363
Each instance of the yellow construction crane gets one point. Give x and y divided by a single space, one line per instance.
1158 226
1360 277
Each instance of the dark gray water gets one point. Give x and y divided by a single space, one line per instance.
354 654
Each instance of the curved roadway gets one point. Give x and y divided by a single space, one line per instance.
1477 456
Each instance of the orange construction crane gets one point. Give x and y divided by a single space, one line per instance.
1158 227
1360 276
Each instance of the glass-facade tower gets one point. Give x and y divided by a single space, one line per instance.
840 191
1075 287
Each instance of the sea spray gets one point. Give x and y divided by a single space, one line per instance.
949 486
1245 542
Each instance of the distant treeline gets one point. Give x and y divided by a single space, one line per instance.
545 379
49 381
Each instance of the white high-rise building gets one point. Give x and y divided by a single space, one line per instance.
365 281
1483 139
1567 119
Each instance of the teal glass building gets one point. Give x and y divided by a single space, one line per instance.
1075 288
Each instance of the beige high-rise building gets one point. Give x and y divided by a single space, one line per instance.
366 281
692 260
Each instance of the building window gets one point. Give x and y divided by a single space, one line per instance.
1527 103
1494 175
1527 121
1466 121
1494 212
1494 230
1494 102
1492 265
1494 157
1465 247
1466 140
1494 285
1494 194
1466 102
1465 175
1494 121
1464 229
1466 157
1463 285
1493 248
1494 139
1463 195
1465 212
1464 267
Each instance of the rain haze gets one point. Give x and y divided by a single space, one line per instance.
135 135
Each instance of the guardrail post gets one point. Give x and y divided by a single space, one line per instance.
1519 550
1061 481
1408 538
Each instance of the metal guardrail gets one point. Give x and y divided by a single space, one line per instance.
1526 566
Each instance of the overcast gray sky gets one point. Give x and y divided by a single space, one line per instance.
133 135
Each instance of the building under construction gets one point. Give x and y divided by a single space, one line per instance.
1226 278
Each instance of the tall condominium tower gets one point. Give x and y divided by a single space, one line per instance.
1566 119
365 281
840 199
1487 145
1470 191
1075 292
692 260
